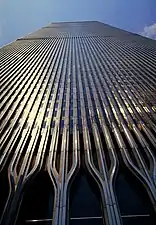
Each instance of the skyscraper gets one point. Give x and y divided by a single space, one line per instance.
78 127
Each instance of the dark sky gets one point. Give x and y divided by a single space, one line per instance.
20 17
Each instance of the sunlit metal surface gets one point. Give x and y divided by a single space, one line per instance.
78 127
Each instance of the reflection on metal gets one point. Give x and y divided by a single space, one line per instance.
74 92
86 218
35 221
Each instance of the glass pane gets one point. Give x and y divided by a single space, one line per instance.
138 220
4 190
38 201
84 198
87 222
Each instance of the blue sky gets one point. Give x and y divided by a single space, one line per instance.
20 17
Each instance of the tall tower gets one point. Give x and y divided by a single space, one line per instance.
78 127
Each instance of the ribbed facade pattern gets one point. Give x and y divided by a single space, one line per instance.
78 127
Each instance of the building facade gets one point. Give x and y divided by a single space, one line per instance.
78 127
